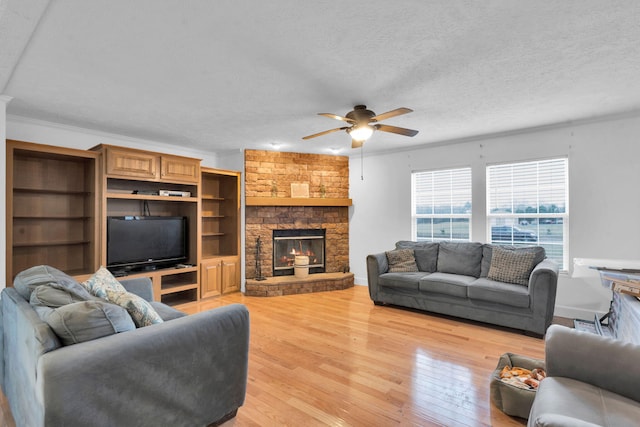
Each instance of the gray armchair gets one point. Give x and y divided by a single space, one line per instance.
187 371
591 381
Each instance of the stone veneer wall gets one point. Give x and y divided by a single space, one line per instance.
270 174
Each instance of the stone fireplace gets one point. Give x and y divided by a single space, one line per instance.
271 210
289 244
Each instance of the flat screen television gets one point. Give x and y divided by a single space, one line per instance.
145 242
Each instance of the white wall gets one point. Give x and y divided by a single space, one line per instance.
42 132
603 196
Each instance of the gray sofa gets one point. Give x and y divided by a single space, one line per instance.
591 381
185 371
460 279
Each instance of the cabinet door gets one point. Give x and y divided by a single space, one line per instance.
180 169
230 274
211 278
127 163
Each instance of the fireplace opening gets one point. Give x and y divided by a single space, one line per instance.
287 244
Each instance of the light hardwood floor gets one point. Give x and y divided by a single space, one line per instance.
333 358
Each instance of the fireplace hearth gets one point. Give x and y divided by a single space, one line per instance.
291 243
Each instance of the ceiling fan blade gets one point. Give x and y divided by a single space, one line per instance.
356 144
325 132
335 116
395 129
392 113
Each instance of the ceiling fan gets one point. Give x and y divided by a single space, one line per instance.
364 122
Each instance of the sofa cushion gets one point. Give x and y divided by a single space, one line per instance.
425 253
565 401
499 292
103 285
87 320
511 266
409 280
460 258
447 284
401 260
52 295
487 252
27 280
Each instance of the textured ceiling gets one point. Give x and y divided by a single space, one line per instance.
231 74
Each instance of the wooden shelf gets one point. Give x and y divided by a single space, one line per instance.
150 197
289 201
42 244
173 288
49 191
64 218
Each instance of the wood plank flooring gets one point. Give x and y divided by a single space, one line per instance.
333 358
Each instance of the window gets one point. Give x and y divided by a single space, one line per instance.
441 205
527 204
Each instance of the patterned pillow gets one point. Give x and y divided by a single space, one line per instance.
140 310
102 284
401 260
511 266
101 281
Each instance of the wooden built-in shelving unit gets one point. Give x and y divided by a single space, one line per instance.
220 196
52 204
58 201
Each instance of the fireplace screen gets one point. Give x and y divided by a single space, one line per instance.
287 244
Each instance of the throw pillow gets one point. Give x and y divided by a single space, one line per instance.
102 284
511 266
401 260
487 251
101 281
139 309
88 320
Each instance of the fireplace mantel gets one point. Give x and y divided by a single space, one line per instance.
292 201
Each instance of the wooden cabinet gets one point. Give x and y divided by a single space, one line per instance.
179 169
220 276
52 206
138 164
220 224
128 163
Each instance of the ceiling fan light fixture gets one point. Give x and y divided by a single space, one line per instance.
361 132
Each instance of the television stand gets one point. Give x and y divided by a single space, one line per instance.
171 285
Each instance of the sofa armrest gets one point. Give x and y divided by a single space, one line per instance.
190 371
377 264
600 361
543 284
141 286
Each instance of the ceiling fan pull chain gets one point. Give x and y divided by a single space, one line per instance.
362 162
